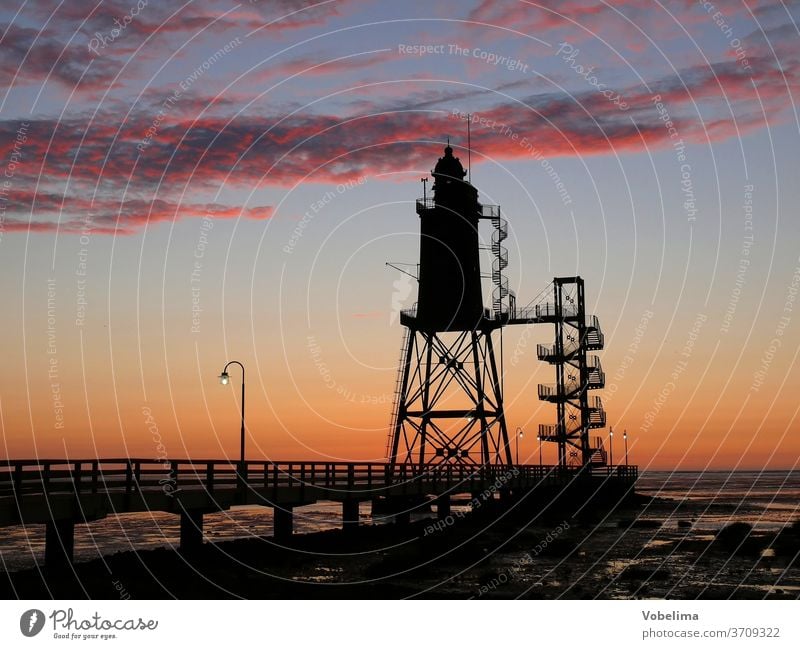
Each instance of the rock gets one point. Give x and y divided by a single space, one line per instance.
737 538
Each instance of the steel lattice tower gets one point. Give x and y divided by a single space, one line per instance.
576 374
449 400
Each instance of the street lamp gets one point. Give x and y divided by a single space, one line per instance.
224 379
625 437
520 434
611 446
539 439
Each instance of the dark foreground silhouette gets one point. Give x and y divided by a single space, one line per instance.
625 552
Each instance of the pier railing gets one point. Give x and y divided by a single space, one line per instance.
129 475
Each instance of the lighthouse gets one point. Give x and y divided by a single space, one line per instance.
449 398
449 265
449 404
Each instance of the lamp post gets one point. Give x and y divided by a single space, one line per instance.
520 434
224 379
539 439
625 437
611 447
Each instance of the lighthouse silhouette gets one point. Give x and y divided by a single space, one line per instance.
449 265
449 404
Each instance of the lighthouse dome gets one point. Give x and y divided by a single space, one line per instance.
449 166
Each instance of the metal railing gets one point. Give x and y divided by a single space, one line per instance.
490 211
424 204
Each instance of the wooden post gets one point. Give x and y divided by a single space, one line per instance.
191 530
128 477
76 477
173 475
282 522
303 481
350 514
210 477
443 506
59 544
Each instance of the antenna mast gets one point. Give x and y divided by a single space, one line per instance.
469 149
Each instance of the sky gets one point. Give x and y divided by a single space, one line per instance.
188 183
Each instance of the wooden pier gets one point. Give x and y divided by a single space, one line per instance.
61 493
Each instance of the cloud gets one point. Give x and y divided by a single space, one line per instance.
59 50
279 15
77 157
28 56
319 65
109 216
548 15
